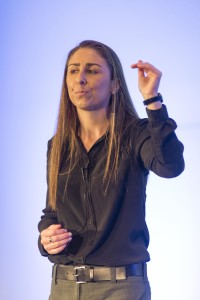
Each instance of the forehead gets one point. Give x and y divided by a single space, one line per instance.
87 55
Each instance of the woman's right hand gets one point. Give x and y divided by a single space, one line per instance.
55 238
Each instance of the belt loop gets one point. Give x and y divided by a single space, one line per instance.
145 270
54 273
113 275
91 270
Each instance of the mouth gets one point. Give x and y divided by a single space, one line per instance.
82 92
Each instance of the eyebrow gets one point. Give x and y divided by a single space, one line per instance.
87 65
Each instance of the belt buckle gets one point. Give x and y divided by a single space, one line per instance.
80 275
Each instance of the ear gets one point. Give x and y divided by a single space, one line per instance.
115 86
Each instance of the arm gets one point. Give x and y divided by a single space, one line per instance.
53 238
158 146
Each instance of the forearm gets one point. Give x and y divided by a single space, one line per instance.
162 152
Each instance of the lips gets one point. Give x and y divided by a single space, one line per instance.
81 92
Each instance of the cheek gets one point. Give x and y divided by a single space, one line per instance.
69 89
103 83
69 80
105 87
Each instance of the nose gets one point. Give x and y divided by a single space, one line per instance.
81 78
82 82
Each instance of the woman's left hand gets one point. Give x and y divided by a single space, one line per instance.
148 79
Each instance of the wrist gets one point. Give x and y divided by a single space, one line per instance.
149 96
154 106
157 98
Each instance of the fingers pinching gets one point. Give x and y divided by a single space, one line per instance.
146 67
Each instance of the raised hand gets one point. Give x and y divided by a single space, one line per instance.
148 79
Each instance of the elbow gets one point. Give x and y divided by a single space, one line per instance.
171 170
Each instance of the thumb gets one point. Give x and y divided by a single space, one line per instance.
137 65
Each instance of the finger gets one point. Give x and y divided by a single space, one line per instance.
45 240
50 246
141 71
147 67
56 232
50 232
136 65
55 247
56 238
55 226
45 232
57 250
58 244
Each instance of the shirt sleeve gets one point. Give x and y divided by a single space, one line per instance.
49 216
157 144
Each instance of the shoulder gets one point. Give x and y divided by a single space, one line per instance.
135 126
135 134
54 142
49 146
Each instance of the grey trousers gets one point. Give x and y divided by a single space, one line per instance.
133 288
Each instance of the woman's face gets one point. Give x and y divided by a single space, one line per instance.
88 80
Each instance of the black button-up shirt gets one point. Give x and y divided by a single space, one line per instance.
109 227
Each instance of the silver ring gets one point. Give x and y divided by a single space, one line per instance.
50 239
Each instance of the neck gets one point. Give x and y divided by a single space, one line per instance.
93 124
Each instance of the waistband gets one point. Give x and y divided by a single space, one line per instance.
87 273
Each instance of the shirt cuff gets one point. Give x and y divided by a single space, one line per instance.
41 248
160 114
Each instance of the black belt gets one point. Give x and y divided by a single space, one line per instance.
83 274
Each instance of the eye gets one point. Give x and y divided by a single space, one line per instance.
91 71
73 71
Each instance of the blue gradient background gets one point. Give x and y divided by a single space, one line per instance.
35 37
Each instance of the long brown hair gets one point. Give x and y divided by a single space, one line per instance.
121 109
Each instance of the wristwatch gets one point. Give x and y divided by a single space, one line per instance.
153 99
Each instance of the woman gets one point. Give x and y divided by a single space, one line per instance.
93 228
